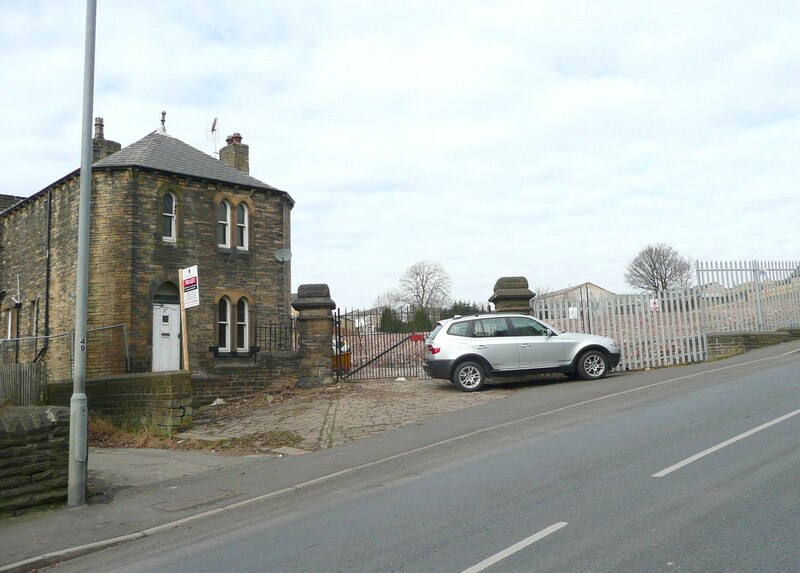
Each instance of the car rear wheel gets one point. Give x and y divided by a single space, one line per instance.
592 365
469 376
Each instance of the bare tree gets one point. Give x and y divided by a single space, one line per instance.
390 299
425 284
541 292
659 267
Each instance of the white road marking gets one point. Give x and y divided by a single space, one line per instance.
711 450
514 548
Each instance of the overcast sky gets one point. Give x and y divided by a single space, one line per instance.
550 139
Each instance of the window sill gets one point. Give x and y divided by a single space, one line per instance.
234 354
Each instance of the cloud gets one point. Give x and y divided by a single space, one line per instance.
546 139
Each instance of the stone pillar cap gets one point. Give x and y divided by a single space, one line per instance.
511 288
313 296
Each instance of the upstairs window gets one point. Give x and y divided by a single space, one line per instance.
168 227
223 224
242 224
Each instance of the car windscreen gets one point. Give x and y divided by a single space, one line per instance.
434 332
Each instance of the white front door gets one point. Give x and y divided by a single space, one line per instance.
166 337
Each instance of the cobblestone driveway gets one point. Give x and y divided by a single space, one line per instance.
327 417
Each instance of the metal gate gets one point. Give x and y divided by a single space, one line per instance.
367 345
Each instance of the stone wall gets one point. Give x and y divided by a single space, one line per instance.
245 377
725 344
34 456
160 400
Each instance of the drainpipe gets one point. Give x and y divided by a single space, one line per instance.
18 307
47 279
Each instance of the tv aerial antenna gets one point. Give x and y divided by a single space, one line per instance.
212 134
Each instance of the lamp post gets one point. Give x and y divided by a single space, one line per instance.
79 413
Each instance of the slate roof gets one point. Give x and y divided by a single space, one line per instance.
8 201
163 152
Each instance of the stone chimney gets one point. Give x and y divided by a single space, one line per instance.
102 148
236 154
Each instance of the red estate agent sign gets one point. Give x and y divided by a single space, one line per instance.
190 296
191 287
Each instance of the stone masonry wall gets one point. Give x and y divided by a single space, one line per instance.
725 344
244 377
34 456
160 400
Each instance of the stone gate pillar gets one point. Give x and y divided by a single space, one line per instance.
315 335
511 294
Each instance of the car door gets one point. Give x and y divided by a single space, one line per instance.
536 348
492 339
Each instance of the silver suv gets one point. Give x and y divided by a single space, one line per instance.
466 349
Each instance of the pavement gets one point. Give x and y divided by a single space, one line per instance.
294 441
136 492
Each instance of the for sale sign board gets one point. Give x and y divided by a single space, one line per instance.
191 287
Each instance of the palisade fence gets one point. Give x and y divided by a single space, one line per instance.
652 330
749 296
670 327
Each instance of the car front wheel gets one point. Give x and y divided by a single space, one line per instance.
469 376
592 365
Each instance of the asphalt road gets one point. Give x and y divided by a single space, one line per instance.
678 473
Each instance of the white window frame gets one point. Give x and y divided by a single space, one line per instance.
225 303
225 224
171 238
243 224
243 342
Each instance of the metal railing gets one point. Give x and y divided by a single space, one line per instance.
276 336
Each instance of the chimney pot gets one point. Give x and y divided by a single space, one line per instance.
102 147
98 128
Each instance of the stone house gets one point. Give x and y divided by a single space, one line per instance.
158 206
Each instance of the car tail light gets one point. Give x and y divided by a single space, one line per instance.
433 349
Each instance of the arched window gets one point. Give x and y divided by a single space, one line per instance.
223 224
168 226
242 223
242 326
224 325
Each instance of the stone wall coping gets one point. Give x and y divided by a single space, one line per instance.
522 294
316 302
781 333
